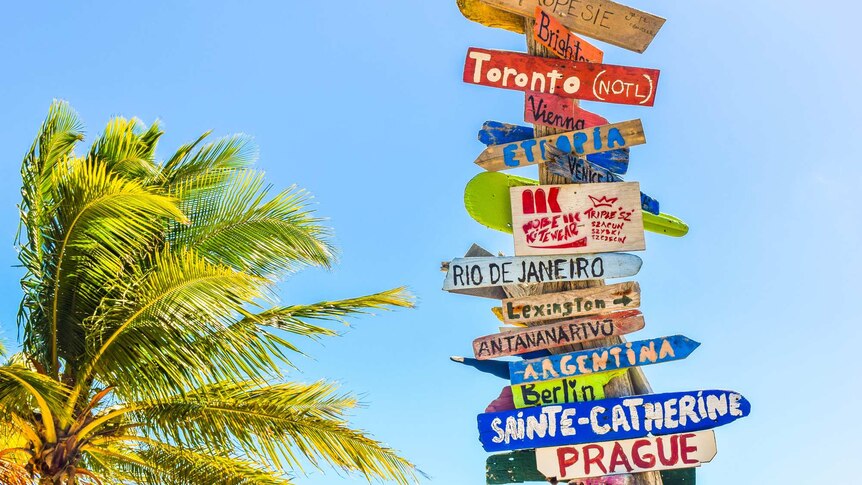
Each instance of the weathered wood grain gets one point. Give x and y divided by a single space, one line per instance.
682 450
613 357
552 34
520 467
610 419
606 83
488 201
604 20
582 142
577 219
495 292
558 334
561 391
465 273
559 112
482 13
574 303
636 382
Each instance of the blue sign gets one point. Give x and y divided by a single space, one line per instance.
610 419
620 356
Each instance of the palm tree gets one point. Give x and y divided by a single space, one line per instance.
152 344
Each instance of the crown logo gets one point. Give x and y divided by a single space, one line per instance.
603 201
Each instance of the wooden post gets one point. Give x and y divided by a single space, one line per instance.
632 382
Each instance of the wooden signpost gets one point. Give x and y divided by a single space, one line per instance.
565 324
610 419
619 356
487 199
576 219
552 34
501 271
574 303
604 20
584 142
558 334
579 80
497 133
682 450
561 391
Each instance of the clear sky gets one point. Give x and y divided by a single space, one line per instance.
751 141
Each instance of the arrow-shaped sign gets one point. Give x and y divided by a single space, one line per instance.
620 356
624 301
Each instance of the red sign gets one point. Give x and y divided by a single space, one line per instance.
555 36
579 80
558 112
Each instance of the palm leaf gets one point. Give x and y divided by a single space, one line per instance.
275 423
249 231
127 149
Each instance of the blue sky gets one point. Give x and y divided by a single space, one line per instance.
750 141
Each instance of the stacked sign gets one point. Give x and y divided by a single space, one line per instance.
577 407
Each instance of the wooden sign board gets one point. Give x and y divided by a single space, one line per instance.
482 13
488 201
550 33
561 391
520 467
573 303
523 340
683 450
498 133
466 273
584 142
610 419
558 112
620 356
589 81
604 20
577 218
497 368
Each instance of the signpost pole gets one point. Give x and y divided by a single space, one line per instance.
622 385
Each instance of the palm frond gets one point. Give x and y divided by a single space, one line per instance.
275 423
143 339
102 220
207 167
291 318
56 141
127 148
248 230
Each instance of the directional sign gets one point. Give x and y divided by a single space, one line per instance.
558 112
520 467
561 391
573 303
498 133
500 271
558 334
577 218
610 419
580 170
683 450
550 33
488 201
482 13
579 80
497 368
592 140
600 19
620 356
